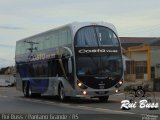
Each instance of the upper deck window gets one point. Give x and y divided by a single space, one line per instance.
95 36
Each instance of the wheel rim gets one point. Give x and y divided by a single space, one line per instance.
25 90
61 93
30 92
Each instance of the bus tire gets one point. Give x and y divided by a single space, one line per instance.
30 91
103 98
61 92
26 89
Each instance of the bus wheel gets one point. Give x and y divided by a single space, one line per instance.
26 89
62 96
30 92
103 98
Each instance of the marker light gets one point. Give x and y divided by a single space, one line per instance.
84 92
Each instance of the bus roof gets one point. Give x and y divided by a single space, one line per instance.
74 26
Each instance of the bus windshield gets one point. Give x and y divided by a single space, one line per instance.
99 66
95 36
93 62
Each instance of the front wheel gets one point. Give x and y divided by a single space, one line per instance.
62 96
103 98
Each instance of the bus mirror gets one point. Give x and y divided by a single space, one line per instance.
69 65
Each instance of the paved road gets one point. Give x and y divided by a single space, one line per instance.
12 101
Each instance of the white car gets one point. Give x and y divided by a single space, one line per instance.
5 83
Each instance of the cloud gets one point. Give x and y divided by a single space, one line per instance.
6 62
20 19
10 27
8 52
6 46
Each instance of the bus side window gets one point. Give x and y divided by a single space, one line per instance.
35 69
69 36
31 69
65 64
52 68
40 70
45 69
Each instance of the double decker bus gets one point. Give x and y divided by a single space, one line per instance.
76 60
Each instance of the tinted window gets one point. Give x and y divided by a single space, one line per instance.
95 36
99 65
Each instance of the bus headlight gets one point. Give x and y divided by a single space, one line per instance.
119 84
81 85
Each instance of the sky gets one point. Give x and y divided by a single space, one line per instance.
23 18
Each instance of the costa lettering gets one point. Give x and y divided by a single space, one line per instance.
97 51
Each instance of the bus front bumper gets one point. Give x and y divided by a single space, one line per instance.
95 93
